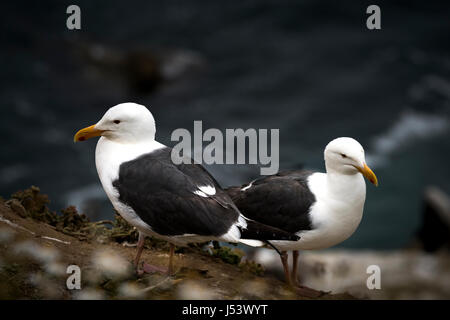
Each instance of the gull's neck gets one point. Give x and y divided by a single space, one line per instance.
346 187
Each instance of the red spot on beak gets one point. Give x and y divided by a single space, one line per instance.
81 138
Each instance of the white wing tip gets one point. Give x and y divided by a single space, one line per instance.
248 186
205 191
209 190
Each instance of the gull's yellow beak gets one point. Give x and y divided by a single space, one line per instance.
368 173
87 133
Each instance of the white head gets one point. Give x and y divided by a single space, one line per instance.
346 156
125 122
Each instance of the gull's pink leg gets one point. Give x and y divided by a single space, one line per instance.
295 255
147 268
285 262
301 290
140 247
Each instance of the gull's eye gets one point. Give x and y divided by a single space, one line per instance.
343 155
116 121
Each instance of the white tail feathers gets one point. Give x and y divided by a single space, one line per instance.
252 243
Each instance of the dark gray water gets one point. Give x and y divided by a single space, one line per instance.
309 68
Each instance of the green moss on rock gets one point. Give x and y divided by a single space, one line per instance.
228 255
252 267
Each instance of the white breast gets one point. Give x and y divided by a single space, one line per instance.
109 155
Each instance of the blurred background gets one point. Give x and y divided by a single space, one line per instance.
310 68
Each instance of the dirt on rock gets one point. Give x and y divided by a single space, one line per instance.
37 247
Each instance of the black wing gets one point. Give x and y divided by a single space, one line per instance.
282 200
162 194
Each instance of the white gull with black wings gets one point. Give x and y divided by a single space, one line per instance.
178 203
324 209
